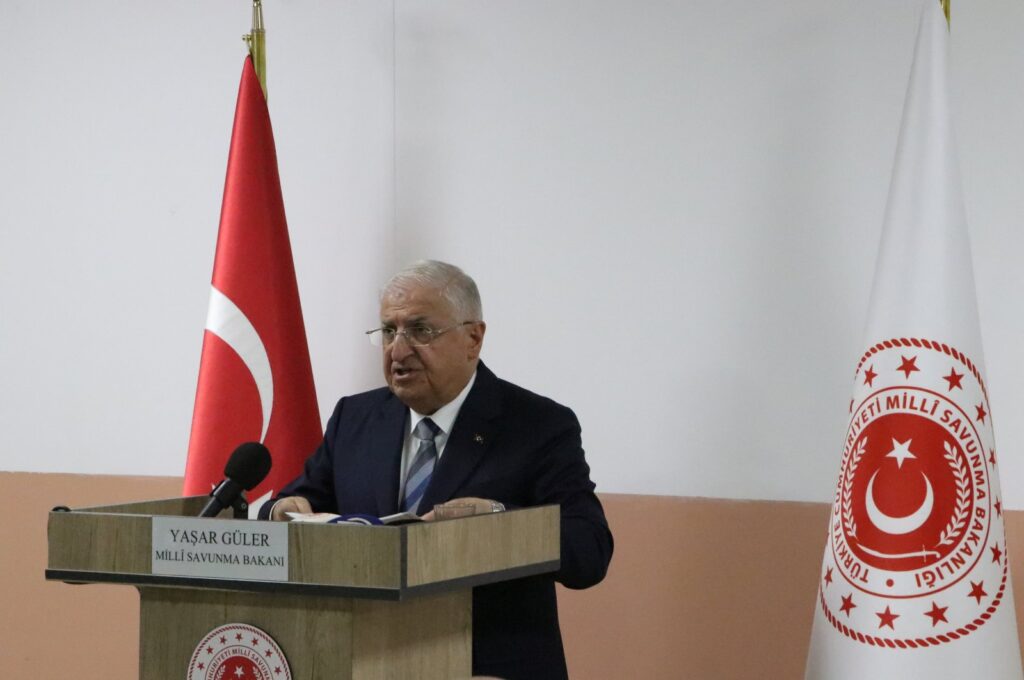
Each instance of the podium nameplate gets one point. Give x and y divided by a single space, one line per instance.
211 548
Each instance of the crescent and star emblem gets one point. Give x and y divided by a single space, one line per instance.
916 554
908 523
898 526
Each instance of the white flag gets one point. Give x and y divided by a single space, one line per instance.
915 580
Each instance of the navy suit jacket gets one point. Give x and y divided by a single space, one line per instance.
507 444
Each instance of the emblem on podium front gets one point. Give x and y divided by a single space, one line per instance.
238 651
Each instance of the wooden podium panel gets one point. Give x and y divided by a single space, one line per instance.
366 603
113 544
323 638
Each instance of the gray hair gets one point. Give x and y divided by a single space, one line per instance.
454 285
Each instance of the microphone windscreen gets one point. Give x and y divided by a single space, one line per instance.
248 465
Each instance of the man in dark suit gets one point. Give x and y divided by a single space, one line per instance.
446 429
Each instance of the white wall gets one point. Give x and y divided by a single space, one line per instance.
672 209
115 120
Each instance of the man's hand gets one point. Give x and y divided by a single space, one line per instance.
289 504
482 506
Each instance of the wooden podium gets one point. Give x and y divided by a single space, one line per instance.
359 602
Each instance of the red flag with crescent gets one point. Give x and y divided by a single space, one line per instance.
255 378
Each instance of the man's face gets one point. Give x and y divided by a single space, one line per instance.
427 378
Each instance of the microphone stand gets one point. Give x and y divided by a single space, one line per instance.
241 507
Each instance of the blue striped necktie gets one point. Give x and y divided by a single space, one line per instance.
422 465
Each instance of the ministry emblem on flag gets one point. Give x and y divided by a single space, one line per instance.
916 554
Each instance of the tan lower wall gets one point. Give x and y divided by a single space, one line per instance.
699 588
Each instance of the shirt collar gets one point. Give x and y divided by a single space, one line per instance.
444 417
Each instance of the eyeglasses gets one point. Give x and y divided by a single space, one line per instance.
416 336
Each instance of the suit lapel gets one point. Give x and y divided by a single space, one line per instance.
470 439
386 439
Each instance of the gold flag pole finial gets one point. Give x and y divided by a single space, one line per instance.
945 9
257 42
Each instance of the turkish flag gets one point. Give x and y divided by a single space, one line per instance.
255 379
915 578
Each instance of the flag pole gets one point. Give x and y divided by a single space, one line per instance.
945 10
257 42
254 336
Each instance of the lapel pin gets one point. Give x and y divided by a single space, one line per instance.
479 439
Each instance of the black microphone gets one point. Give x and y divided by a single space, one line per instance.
247 467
